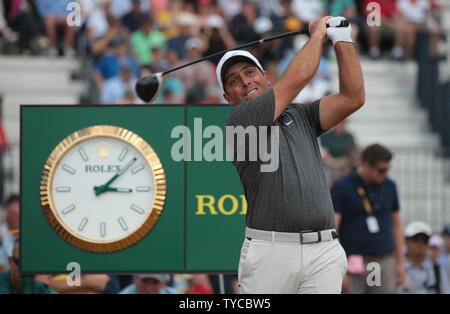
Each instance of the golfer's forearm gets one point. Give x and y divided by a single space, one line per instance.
351 82
298 73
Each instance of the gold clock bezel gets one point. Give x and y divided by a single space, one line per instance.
46 187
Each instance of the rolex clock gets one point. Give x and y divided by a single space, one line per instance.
103 188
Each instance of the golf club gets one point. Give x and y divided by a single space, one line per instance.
147 87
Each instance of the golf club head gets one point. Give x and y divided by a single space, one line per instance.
147 87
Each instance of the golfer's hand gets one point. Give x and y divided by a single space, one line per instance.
319 28
337 34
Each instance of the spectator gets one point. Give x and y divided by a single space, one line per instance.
241 26
436 244
11 281
188 28
3 26
120 8
422 275
159 6
109 65
89 284
217 37
345 8
102 29
390 18
115 89
100 21
131 20
172 89
145 39
21 19
168 15
341 145
414 15
368 222
231 8
200 284
160 63
269 52
446 250
267 7
279 16
197 77
230 283
9 230
149 284
307 10
55 14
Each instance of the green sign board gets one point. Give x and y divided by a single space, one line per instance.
201 227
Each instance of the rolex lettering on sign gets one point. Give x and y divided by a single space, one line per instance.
103 188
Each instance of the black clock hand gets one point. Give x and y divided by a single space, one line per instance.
103 188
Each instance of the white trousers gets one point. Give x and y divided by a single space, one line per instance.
281 267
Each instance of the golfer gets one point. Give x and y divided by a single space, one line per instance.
290 241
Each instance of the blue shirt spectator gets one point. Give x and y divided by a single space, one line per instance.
116 88
422 279
354 234
150 284
109 65
53 7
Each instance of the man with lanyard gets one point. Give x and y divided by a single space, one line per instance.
369 224
290 244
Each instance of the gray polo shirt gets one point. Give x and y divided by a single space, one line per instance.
295 197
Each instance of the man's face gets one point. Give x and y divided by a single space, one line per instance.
244 81
418 244
126 75
148 285
379 172
12 218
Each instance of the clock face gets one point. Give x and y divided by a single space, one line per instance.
105 191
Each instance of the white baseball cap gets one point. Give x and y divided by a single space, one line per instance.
233 57
417 227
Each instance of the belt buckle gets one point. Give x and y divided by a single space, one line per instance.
306 231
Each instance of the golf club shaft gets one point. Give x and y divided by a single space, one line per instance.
344 23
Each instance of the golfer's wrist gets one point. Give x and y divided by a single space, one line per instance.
343 45
318 36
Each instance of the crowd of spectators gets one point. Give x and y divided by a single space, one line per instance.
130 38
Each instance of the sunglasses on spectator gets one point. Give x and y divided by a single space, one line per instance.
420 238
15 260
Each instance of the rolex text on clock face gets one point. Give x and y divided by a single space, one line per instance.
103 189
